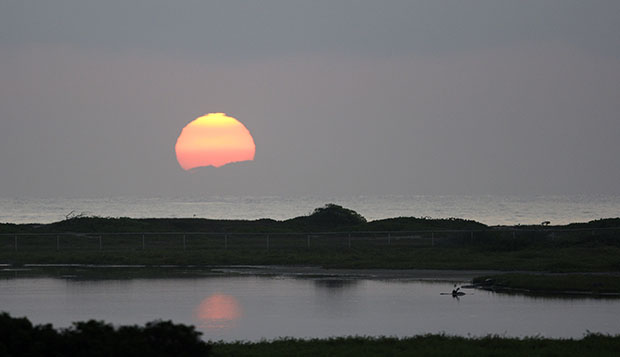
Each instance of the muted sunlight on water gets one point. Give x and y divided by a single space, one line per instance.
251 308
218 311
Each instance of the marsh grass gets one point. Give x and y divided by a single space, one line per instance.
344 240
18 336
426 345
553 283
566 259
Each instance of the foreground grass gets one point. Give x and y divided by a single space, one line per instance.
561 259
428 345
19 337
553 283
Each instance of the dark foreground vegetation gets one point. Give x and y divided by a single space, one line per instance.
332 237
568 284
427 345
19 337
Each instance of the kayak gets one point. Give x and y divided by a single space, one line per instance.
460 293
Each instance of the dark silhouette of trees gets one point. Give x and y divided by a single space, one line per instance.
19 337
328 216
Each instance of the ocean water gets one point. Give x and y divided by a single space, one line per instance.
488 209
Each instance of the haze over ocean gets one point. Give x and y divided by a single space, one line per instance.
488 209
341 97
504 112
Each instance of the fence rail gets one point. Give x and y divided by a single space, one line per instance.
307 240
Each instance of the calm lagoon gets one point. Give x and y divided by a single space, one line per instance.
256 307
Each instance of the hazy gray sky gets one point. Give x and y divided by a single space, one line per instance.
342 97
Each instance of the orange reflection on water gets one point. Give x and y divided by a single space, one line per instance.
218 311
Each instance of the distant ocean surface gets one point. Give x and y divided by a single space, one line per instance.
488 209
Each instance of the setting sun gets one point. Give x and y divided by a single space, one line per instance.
214 139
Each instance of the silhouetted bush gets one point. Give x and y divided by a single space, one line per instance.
18 337
597 223
328 216
335 215
422 223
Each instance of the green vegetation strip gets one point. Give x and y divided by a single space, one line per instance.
351 242
599 284
561 259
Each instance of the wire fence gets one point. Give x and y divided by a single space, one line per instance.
508 238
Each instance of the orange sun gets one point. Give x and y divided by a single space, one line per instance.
214 139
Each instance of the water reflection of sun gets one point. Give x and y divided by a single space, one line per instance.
218 311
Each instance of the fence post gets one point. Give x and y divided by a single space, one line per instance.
184 245
142 241
57 242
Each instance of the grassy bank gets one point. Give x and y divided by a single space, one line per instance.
567 259
332 237
18 336
552 283
429 345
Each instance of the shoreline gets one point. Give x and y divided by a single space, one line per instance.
533 283
449 275
32 340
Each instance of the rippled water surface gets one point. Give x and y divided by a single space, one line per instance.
251 308
489 209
